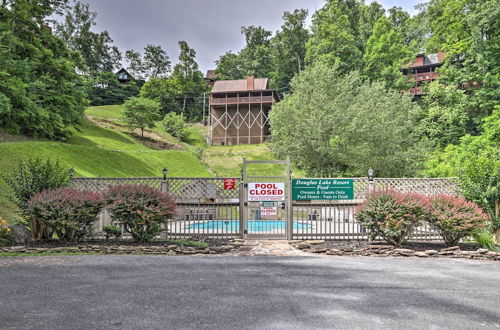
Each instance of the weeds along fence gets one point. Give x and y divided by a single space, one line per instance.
207 208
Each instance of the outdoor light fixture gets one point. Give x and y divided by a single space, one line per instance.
71 172
371 173
165 173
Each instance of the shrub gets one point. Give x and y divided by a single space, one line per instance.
112 231
34 176
6 237
67 212
142 113
485 240
391 215
455 217
140 209
175 125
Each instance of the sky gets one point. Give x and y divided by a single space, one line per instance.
211 27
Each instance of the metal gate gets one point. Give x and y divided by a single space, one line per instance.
266 202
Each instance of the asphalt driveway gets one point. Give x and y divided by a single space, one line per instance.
227 292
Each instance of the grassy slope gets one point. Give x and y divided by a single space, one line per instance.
110 151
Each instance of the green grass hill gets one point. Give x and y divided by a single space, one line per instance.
103 147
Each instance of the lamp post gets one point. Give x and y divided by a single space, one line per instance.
71 172
371 173
165 173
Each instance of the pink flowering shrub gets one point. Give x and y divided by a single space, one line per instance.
392 215
141 209
455 217
67 212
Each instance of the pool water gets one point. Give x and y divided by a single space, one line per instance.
253 225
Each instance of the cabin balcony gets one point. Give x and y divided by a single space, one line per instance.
241 100
414 91
425 76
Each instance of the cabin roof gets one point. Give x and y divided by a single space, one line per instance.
240 85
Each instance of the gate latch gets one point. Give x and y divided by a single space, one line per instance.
282 206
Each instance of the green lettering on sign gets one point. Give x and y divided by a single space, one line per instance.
322 189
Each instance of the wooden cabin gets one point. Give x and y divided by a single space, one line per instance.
422 71
211 77
123 76
239 111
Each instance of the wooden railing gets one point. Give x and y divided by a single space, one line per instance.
241 99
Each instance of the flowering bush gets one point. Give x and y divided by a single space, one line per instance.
140 209
455 217
67 212
6 237
392 215
112 231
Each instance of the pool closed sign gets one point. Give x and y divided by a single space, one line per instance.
265 191
322 189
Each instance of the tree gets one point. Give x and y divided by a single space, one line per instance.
256 57
40 92
135 65
385 54
156 62
229 66
329 126
96 49
335 35
105 89
289 46
141 113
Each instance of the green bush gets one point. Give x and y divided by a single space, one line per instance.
392 215
6 237
455 217
34 176
140 209
112 231
485 240
141 113
175 125
67 212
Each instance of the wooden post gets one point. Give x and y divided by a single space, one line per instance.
261 120
289 202
225 125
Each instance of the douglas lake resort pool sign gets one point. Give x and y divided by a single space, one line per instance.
322 189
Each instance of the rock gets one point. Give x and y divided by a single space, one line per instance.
491 254
482 251
172 247
382 247
21 234
315 242
303 246
451 248
334 252
404 252
421 254
445 253
347 249
171 253
431 252
319 250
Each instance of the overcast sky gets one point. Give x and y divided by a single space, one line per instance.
211 27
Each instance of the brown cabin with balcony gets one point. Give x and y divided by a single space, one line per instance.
239 111
422 71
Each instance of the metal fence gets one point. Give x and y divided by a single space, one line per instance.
206 208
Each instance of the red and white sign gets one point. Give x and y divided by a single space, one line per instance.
269 212
264 191
229 184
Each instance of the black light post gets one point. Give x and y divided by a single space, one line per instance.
71 172
371 173
165 173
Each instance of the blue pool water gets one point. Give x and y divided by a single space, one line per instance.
253 225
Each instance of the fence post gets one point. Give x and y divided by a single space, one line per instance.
289 201
164 186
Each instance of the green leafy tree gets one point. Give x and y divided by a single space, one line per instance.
135 65
40 92
155 62
141 113
229 66
385 54
105 89
289 46
328 126
175 125
96 48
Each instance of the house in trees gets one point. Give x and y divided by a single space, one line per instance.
422 71
239 111
123 76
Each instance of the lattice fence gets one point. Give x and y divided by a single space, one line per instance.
426 186
201 188
99 184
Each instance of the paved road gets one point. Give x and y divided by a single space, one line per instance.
141 292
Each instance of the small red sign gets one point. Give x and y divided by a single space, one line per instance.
229 184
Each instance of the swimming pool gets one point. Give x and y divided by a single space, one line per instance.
253 225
